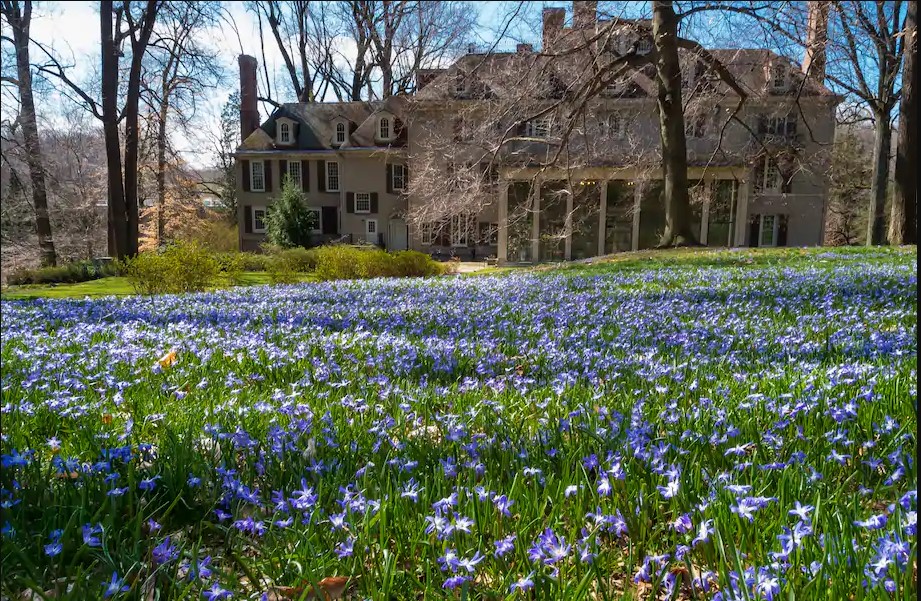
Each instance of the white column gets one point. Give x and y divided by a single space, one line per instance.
742 213
705 211
502 251
602 217
638 186
567 245
535 225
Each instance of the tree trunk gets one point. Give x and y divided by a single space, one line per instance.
117 217
20 24
132 137
882 142
671 128
903 224
161 165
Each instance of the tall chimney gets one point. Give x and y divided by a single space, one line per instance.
249 112
584 14
816 40
553 25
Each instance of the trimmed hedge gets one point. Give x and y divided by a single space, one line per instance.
181 267
69 273
341 262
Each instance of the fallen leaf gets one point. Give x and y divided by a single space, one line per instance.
168 359
331 588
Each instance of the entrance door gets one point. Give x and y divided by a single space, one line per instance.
398 235
371 233
330 220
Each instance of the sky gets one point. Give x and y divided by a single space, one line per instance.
71 31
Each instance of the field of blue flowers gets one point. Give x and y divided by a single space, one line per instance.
687 432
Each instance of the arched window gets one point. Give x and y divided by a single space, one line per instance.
284 134
340 133
384 128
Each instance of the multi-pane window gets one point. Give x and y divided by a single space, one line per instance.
362 202
768 177
612 125
285 133
340 133
384 133
258 220
539 128
371 226
398 177
644 45
489 233
257 176
294 173
461 229
332 176
777 126
768 231
779 77
695 126
428 233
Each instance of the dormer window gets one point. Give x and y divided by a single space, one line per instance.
339 138
644 45
284 133
779 77
384 128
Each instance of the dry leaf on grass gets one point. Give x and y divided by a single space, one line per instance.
331 588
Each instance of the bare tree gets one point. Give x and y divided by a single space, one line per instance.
19 19
903 222
850 186
865 53
126 23
546 109
183 69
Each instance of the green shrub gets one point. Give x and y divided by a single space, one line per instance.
181 267
230 266
69 273
340 262
288 223
412 263
253 261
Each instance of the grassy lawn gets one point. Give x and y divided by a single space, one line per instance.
659 425
114 286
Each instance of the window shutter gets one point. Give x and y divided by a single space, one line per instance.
305 175
389 178
245 165
782 230
762 125
267 167
374 202
786 183
791 125
758 175
349 202
247 219
754 231
321 176
282 172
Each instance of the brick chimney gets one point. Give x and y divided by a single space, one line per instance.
816 40
584 14
249 112
553 25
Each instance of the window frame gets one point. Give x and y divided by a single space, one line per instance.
393 177
300 174
534 127
384 120
369 222
265 213
616 131
458 220
330 177
252 176
284 132
781 83
336 132
427 234
775 223
767 168
363 196
319 214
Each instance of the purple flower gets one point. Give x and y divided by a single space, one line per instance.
115 586
504 545
682 524
216 593
165 552
874 522
455 582
89 535
502 504
525 583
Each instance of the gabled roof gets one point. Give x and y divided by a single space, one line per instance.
316 121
